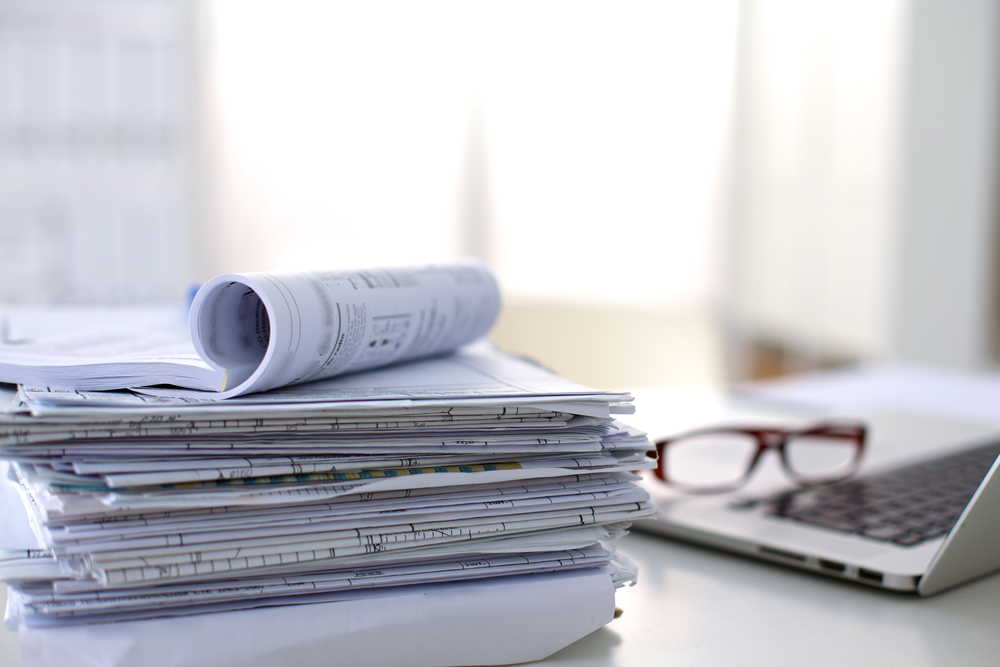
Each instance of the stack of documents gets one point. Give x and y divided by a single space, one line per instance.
453 470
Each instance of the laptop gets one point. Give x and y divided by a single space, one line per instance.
772 519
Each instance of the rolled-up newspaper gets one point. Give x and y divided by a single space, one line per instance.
256 331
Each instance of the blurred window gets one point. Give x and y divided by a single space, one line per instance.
96 150
576 146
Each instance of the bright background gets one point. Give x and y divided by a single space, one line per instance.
574 146
668 191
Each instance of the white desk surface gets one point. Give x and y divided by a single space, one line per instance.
696 606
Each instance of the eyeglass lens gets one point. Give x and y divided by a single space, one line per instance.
818 456
710 459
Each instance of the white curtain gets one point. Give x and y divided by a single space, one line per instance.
577 146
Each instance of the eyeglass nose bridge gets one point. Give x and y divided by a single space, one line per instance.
767 439
771 438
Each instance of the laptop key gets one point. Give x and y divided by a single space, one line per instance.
884 532
909 539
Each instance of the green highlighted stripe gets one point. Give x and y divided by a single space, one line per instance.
291 479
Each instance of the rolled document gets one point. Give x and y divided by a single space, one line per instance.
256 331
266 330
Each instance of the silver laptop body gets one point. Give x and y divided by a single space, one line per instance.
970 550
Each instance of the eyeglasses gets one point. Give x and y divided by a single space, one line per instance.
714 460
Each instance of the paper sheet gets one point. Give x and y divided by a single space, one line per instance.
487 622
40 604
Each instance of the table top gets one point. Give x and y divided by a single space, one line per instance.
697 606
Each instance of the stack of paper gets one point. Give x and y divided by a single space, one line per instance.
455 471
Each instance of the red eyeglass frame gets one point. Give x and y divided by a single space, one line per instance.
770 438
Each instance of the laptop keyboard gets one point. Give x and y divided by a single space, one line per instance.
905 505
